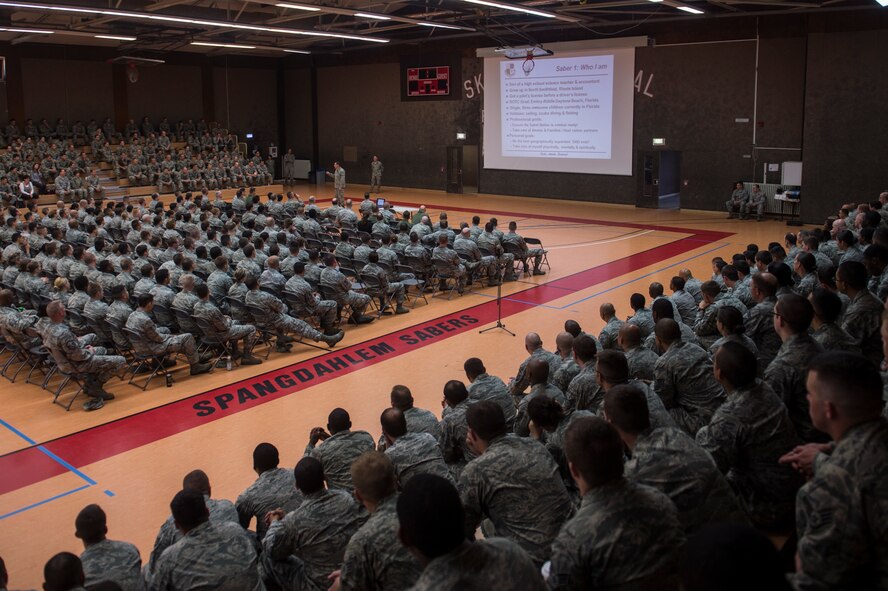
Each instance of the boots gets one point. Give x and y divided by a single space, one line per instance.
331 340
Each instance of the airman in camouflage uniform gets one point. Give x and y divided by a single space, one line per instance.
641 360
305 303
155 343
227 328
843 508
304 546
275 316
747 435
104 559
464 245
339 449
669 460
339 289
788 372
538 374
275 488
375 174
759 321
642 317
209 556
533 344
863 318
375 559
449 263
514 483
624 532
75 357
411 453
684 380
483 386
607 339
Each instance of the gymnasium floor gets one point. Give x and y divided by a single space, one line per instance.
130 457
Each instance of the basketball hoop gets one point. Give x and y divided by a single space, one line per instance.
528 64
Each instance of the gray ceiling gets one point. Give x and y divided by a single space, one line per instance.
325 26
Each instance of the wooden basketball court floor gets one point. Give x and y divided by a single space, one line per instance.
130 456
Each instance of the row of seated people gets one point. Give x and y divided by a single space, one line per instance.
251 272
83 134
600 485
188 170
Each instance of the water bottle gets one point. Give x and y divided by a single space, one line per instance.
169 379
228 362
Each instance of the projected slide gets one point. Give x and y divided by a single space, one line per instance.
572 112
561 109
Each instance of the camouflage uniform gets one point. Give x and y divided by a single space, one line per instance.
516 485
495 563
273 489
644 320
227 328
523 420
113 561
308 303
842 515
566 372
584 393
72 357
787 375
705 325
210 556
488 387
685 382
420 420
221 511
416 453
219 282
476 260
375 559
155 343
686 306
759 324
833 338
863 320
622 532
303 548
450 264
520 382
746 436
670 461
339 289
275 316
609 333
336 455
740 339
453 438
641 362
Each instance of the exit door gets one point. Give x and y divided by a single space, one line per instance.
454 177
659 186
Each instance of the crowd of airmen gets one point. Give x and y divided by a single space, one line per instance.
654 455
105 270
56 158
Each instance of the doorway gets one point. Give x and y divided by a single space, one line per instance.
470 169
659 180
454 178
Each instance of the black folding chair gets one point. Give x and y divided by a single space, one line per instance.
537 243
154 362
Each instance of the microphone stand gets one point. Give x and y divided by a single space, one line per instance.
499 311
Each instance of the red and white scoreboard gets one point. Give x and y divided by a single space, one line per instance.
430 81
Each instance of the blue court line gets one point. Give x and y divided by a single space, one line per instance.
45 501
49 454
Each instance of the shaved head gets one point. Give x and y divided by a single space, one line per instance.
533 341
564 341
538 371
630 336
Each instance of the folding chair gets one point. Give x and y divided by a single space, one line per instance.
445 279
414 286
213 340
345 310
238 309
520 258
379 296
298 311
154 362
536 242
267 336
67 378
183 319
165 317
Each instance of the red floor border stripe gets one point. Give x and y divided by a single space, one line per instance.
30 465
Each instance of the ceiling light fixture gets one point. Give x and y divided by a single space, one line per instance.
690 9
296 51
115 37
378 17
227 45
439 26
512 8
32 31
298 6
188 21
882 3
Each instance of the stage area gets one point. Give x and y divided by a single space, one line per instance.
130 456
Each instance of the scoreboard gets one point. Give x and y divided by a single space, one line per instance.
429 81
